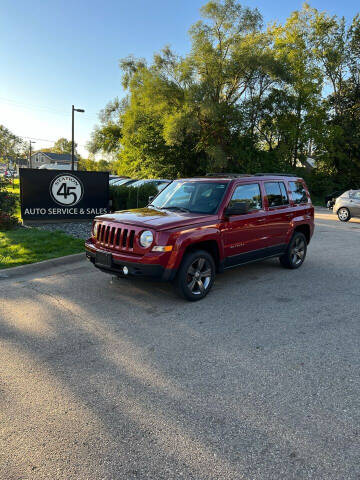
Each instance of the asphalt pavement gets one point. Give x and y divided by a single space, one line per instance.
124 380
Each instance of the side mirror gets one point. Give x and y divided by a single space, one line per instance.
151 198
240 208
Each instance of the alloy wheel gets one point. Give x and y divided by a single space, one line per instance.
298 251
198 276
343 214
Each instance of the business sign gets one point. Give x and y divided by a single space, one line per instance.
56 195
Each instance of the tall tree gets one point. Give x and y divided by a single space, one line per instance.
301 93
11 146
62 145
245 98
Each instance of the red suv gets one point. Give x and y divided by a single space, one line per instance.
197 227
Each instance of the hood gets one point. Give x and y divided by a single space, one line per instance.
156 219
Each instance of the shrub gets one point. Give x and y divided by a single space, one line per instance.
118 196
125 198
7 206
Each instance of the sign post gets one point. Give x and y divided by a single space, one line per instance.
52 195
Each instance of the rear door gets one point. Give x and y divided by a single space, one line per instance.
280 212
244 236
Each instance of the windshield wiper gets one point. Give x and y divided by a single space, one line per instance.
180 209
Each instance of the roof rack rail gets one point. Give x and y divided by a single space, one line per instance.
239 175
228 175
275 174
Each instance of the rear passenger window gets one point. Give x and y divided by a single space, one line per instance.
249 194
276 194
298 192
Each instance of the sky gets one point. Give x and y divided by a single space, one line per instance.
54 54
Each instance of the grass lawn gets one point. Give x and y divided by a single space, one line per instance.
29 245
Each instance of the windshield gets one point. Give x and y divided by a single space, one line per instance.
196 197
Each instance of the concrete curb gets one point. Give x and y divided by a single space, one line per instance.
29 268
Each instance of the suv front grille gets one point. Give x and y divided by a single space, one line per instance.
115 237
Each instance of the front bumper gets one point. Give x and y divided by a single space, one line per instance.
134 269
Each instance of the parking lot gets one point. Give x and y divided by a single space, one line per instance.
124 380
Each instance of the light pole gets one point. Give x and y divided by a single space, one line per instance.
30 143
72 133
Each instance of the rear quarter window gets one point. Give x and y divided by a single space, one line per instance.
298 192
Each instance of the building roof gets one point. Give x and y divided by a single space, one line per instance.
58 157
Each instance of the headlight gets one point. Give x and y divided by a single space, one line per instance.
95 229
146 239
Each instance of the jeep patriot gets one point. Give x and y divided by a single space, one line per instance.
198 227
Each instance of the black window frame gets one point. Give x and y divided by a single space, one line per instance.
287 194
237 185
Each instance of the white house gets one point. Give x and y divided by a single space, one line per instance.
53 161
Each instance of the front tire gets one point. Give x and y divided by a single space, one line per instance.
343 214
296 252
196 275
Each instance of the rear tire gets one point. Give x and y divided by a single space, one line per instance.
343 214
295 253
195 276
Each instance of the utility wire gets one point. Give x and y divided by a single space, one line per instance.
45 109
47 140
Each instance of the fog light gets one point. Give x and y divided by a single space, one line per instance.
125 270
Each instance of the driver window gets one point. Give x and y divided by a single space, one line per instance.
249 193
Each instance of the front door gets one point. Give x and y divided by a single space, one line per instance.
245 236
355 203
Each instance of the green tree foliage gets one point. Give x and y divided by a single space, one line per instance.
63 146
11 146
245 98
7 206
107 137
95 166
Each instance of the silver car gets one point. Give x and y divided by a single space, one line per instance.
348 205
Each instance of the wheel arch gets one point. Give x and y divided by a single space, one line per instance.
305 229
210 246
